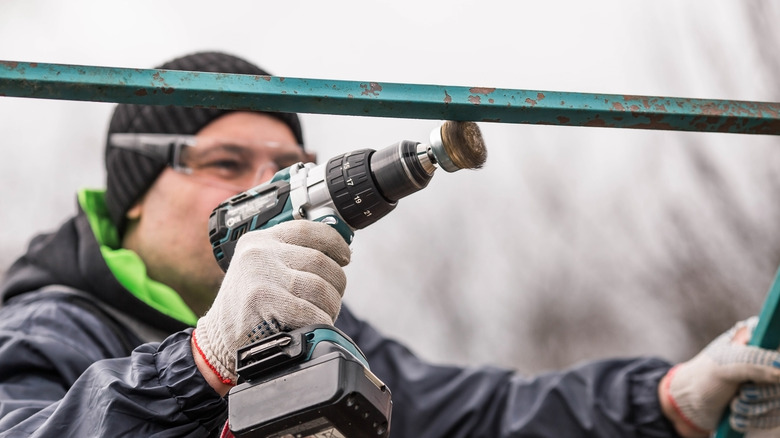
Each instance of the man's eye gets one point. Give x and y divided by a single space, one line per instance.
225 164
226 168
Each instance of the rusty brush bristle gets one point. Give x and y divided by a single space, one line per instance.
464 144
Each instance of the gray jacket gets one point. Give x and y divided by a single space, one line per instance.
80 364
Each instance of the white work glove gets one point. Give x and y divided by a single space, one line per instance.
280 279
701 388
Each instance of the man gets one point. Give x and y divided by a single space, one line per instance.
97 338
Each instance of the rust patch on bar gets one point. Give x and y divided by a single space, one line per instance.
142 92
711 109
728 124
476 100
10 64
772 108
168 90
540 96
447 97
563 120
530 101
349 96
33 64
656 122
491 101
481 90
596 122
372 88
771 127
618 106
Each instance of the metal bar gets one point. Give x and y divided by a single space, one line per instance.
480 104
766 335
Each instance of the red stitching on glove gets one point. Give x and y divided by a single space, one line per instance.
667 387
226 433
224 380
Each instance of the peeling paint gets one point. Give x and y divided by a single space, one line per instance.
539 96
481 90
476 100
491 101
596 122
563 119
656 121
710 109
372 88
447 97
618 106
530 101
141 92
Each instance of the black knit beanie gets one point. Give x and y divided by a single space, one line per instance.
130 174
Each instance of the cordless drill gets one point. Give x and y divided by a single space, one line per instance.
315 381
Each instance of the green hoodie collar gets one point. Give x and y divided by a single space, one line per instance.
126 265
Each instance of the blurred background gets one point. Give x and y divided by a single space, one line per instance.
571 244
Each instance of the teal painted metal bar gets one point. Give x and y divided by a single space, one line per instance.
766 335
380 99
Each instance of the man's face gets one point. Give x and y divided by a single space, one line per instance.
168 227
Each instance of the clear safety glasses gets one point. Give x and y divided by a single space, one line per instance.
226 163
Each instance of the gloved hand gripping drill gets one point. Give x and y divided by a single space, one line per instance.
297 267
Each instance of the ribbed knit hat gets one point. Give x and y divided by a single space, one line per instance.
130 174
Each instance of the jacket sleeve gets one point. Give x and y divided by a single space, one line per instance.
611 398
63 374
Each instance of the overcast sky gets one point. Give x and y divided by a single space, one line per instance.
495 232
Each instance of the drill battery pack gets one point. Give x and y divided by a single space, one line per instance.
310 382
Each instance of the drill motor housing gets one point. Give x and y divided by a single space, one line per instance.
349 192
